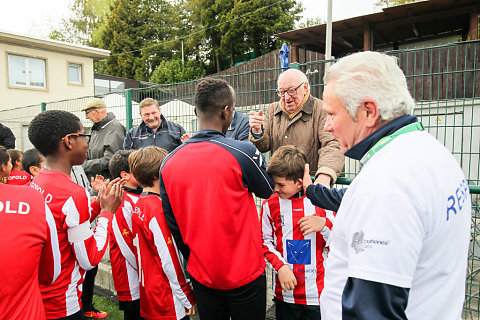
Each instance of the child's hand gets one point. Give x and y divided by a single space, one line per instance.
110 200
307 180
97 182
311 224
286 278
191 311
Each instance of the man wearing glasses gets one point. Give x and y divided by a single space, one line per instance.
297 119
107 136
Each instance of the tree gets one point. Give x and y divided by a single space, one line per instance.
173 71
135 33
310 22
85 24
391 3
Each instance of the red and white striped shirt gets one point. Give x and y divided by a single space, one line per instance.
164 291
283 243
80 248
122 257
29 252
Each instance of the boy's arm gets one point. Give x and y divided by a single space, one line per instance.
170 262
324 197
50 264
122 231
172 221
254 173
90 247
271 254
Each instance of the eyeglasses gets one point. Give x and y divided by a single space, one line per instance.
86 136
292 92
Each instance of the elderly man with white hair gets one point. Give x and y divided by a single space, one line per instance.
297 119
400 242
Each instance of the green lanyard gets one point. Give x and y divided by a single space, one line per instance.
386 140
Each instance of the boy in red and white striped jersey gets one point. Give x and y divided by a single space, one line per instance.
295 233
60 137
164 291
122 257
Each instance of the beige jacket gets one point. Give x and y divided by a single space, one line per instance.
305 131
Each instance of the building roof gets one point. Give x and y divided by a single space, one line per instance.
53 45
393 26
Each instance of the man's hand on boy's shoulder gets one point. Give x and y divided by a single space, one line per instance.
311 224
287 278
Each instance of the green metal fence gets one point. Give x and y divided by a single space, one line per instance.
442 79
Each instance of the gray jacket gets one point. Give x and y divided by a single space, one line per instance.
107 138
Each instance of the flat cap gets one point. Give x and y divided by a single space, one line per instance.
95 103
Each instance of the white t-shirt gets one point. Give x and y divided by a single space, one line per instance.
404 221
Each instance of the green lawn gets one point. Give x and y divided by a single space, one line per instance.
103 304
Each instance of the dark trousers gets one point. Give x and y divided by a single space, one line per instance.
246 302
291 311
131 309
87 289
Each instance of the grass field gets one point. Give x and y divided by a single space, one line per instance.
104 304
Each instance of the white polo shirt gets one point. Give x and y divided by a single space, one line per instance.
404 221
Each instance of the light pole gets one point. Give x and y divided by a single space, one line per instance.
183 59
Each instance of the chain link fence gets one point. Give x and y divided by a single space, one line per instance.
442 79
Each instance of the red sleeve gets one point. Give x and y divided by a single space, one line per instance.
88 247
170 259
272 255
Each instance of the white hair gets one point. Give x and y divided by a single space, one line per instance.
301 76
372 75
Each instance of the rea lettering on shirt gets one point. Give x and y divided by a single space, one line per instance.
138 212
457 200
48 197
14 207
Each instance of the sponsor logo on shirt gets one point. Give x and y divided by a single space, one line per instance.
359 243
297 210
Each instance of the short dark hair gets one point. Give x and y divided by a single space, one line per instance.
31 157
119 163
4 156
15 155
287 162
212 95
145 164
49 127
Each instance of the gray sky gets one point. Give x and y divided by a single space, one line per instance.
37 18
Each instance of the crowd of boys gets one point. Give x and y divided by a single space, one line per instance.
195 205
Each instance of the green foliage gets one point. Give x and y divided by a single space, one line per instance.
173 71
310 22
85 24
391 3
134 33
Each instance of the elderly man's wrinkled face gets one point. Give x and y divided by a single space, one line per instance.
151 116
291 90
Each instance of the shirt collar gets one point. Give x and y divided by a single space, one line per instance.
360 149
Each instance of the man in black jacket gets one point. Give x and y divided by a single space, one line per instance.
7 139
155 130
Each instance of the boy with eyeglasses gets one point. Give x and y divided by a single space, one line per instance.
59 136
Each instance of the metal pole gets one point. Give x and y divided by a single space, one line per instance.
328 39
128 109
183 57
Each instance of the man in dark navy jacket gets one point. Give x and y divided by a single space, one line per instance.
206 188
154 130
